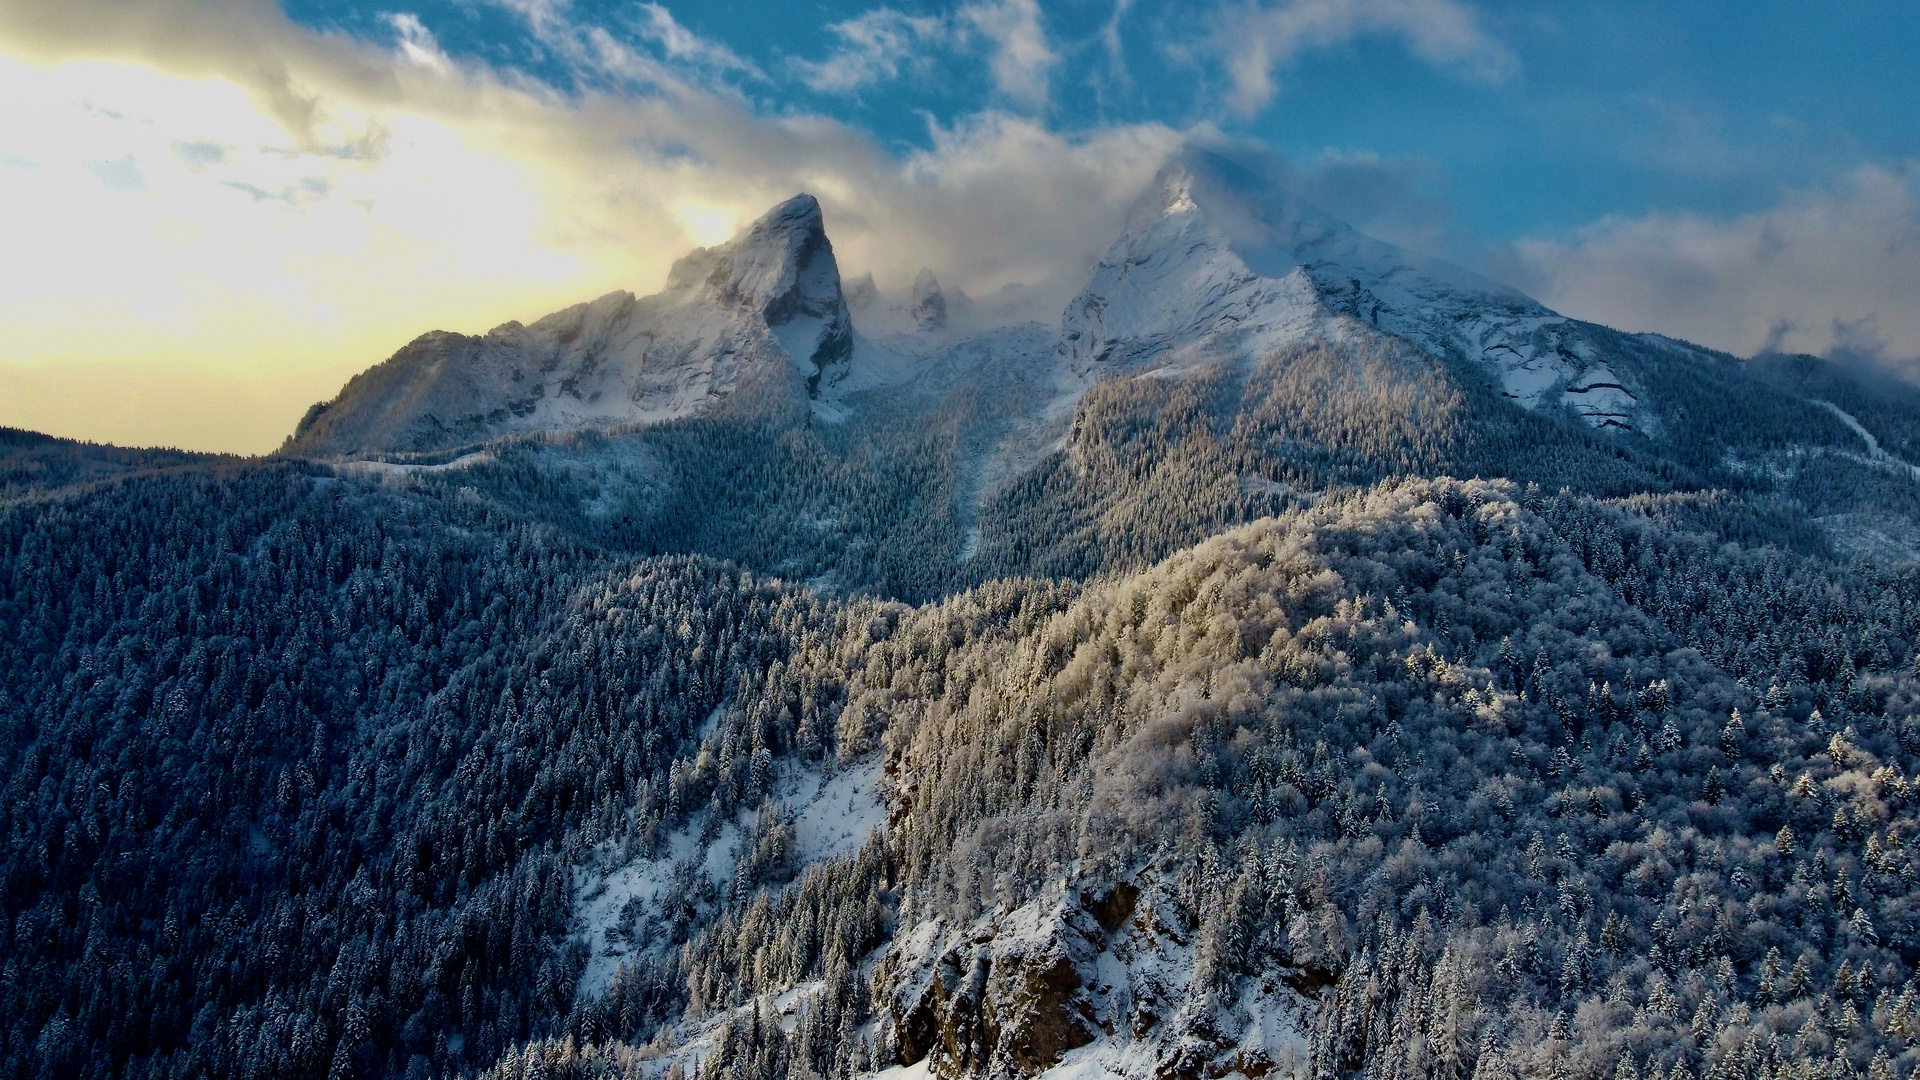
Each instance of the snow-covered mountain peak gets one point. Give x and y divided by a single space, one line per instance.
1275 232
763 310
929 307
1216 258
1176 280
782 268
763 262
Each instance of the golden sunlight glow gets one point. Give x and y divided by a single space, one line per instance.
705 223
161 224
214 217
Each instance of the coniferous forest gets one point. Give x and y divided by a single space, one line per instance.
1320 714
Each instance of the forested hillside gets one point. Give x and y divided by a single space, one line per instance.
1514 785
33 465
294 770
297 767
1293 675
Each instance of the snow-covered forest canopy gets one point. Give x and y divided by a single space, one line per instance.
1315 696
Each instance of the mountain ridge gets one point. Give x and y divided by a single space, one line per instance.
728 318
1210 262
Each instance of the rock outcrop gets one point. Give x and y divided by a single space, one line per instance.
929 306
1103 974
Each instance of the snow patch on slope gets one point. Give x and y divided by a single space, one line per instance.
387 470
608 905
834 814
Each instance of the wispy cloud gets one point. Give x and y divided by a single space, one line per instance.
880 45
648 51
1020 57
1831 270
417 43
874 48
1258 39
683 45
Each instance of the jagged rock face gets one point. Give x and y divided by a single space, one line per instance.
929 308
781 268
1213 263
1002 1000
1107 973
762 312
862 292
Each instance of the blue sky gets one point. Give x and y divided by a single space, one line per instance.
237 204
1564 113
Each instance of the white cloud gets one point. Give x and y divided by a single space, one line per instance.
1021 59
311 202
1833 270
1110 43
684 45
875 46
685 61
878 45
547 18
1259 38
417 43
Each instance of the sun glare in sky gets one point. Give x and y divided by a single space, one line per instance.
162 226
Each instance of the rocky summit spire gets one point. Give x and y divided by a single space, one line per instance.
782 268
762 310
929 307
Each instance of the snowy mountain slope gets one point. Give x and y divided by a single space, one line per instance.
1212 260
1217 280
1231 737
621 907
763 309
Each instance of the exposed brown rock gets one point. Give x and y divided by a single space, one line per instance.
1001 1004
1112 908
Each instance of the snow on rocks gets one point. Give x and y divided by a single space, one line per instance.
1212 262
764 309
1080 984
1600 399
